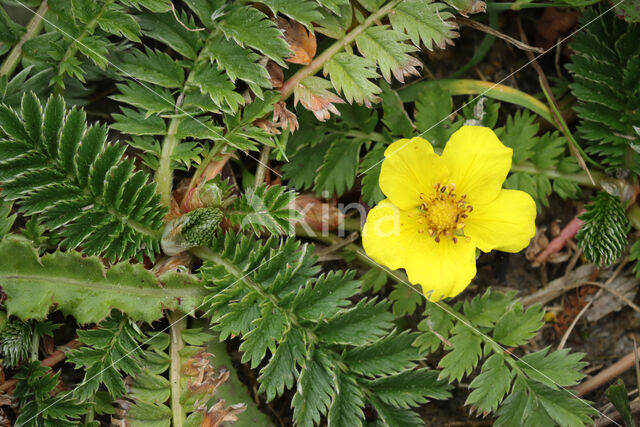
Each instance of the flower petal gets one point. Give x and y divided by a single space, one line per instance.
443 269
410 168
478 163
389 234
506 224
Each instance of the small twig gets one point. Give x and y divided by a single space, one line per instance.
615 294
568 232
33 28
613 371
173 9
565 337
487 29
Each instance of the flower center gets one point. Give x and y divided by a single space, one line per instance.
443 213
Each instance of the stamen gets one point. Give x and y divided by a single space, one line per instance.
460 226
420 230
467 238
443 188
431 232
437 239
470 208
420 220
454 240
464 216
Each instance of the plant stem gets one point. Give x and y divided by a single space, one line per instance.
319 62
164 174
33 28
35 346
262 166
178 323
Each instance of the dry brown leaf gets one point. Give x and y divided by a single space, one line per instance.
301 41
473 6
220 413
408 69
205 378
267 125
320 103
317 214
285 118
275 74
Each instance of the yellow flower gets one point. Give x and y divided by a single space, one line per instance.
439 209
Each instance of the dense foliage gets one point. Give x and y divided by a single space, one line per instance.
152 156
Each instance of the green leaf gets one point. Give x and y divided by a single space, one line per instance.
71 177
435 327
326 297
338 170
562 406
410 388
395 117
491 385
390 355
265 208
116 21
432 116
303 11
485 310
219 87
347 405
136 123
166 29
279 374
364 323
248 26
518 326
603 236
350 75
111 350
617 395
370 170
81 287
152 66
396 417
302 168
153 101
424 21
464 355
386 47
406 298
316 389
556 369
266 330
6 218
238 63
519 133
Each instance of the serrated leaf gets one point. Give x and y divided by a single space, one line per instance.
303 11
346 407
390 355
436 327
152 66
518 326
350 76
432 116
424 21
364 323
248 26
279 374
464 355
410 388
153 101
370 169
316 389
491 385
386 47
326 296
338 171
219 87
136 123
166 29
554 369
239 63
486 309
81 287
519 133
264 334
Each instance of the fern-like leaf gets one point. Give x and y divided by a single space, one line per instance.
55 166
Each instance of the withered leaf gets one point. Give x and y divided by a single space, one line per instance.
314 95
301 41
